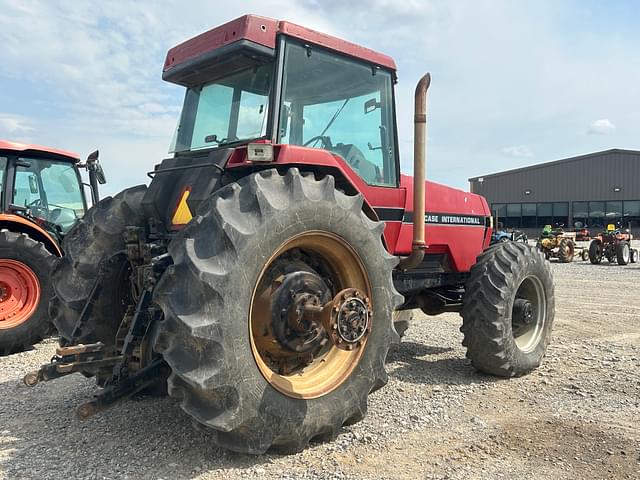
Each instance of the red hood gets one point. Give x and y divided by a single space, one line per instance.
442 199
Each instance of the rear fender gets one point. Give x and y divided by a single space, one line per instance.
379 202
18 224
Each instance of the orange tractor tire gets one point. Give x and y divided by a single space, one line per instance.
25 289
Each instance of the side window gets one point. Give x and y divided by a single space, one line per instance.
354 134
3 168
338 104
212 116
252 117
26 189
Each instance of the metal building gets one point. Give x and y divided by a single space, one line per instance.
595 189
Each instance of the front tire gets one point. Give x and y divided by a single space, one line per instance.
229 369
25 289
508 310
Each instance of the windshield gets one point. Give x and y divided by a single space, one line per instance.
341 105
230 109
50 190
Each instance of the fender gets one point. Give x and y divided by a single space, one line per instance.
376 198
16 223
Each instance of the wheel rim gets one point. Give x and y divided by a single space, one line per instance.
527 326
324 367
19 293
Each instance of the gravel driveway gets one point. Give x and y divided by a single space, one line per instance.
578 416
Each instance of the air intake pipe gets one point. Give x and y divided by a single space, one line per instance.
419 174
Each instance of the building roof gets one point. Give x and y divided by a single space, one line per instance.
25 147
263 31
556 162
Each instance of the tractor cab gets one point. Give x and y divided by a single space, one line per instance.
43 186
293 94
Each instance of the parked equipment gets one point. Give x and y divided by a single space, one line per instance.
41 199
556 243
502 235
613 244
260 268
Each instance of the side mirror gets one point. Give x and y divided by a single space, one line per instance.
95 169
371 105
33 184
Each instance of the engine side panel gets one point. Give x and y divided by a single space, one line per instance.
458 222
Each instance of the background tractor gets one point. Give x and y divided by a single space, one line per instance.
613 244
260 269
556 243
41 198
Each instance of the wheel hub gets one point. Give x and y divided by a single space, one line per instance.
522 311
352 319
292 329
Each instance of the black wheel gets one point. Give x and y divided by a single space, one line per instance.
25 289
244 361
97 236
633 257
595 252
508 310
585 254
623 253
566 249
402 320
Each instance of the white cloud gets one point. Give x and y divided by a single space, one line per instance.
601 127
11 125
518 151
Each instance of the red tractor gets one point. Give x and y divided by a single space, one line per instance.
615 245
260 269
41 198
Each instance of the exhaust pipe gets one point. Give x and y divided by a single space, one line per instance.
419 174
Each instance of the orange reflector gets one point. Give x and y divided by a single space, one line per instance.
182 214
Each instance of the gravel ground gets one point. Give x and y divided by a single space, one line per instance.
575 417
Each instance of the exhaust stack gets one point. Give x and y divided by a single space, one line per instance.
419 174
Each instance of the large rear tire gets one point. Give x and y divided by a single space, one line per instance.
566 250
508 310
623 253
225 360
97 236
25 289
595 252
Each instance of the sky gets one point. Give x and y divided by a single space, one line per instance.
514 83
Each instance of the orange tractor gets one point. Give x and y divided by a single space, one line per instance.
41 198
257 275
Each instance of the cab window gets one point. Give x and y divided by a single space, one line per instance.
338 104
3 168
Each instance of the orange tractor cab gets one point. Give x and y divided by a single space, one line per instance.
41 199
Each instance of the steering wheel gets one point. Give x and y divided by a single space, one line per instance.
326 141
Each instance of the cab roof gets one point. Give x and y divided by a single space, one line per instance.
6 145
263 32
